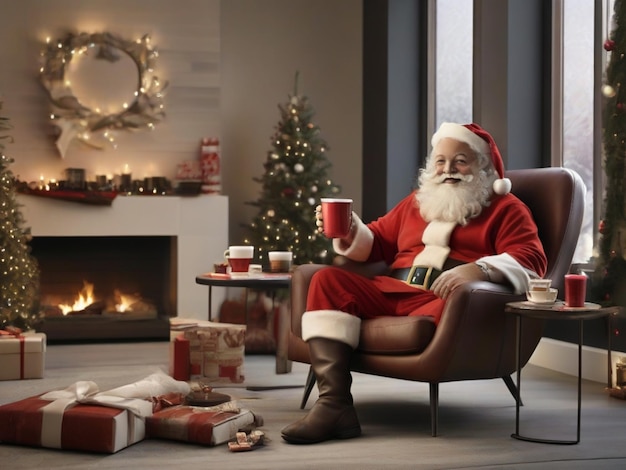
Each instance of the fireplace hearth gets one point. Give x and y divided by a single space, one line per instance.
95 288
153 247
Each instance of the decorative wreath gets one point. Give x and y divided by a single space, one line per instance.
74 119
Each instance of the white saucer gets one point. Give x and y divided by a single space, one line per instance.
541 303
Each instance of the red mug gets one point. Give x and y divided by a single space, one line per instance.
239 265
239 258
337 217
575 290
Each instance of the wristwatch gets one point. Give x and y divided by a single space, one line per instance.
484 268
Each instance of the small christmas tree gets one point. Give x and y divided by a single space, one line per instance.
19 273
295 179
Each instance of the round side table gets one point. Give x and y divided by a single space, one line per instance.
558 311
265 281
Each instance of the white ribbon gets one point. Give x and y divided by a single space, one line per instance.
135 398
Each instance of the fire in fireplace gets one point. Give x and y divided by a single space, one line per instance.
118 303
88 284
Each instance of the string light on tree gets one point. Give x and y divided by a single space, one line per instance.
19 273
610 275
295 178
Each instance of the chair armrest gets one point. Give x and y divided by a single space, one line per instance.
476 337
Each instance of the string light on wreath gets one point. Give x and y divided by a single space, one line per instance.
73 118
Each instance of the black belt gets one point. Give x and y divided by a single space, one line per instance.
418 276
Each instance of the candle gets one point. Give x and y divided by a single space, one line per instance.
126 184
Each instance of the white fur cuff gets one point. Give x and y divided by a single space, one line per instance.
361 246
331 324
510 268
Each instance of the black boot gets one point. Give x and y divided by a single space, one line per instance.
333 415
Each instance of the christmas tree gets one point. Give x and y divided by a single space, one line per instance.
19 273
295 179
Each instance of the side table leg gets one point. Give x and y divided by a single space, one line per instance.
609 360
580 373
518 355
210 303
283 365
516 434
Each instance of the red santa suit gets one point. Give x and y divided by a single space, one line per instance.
503 237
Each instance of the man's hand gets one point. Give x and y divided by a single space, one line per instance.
453 278
319 221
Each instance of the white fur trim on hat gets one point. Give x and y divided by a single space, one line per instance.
462 134
331 324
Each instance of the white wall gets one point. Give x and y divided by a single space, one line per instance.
229 64
186 34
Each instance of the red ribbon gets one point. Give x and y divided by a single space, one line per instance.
11 331
165 401
16 333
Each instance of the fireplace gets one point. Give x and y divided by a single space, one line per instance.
147 247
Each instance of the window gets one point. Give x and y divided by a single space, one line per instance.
574 89
454 50
577 106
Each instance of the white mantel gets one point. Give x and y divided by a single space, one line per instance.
199 223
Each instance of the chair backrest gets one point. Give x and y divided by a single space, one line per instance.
555 196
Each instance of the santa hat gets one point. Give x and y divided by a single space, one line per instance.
480 141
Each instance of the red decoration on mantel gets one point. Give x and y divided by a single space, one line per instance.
99 198
609 45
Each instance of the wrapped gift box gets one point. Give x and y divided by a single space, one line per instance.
90 428
207 426
22 356
179 358
216 350
83 418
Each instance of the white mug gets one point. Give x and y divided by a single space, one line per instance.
239 252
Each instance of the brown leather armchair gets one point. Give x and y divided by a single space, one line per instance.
475 338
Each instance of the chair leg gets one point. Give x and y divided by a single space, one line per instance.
434 407
512 388
308 387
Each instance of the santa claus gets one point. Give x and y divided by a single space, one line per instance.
462 224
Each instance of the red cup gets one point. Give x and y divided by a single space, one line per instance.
239 258
239 265
337 217
575 290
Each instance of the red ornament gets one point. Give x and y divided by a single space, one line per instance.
609 45
619 106
601 226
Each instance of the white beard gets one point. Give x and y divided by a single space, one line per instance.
457 202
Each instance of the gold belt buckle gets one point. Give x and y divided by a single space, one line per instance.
414 278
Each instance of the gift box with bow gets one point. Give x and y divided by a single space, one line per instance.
209 426
22 355
114 419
